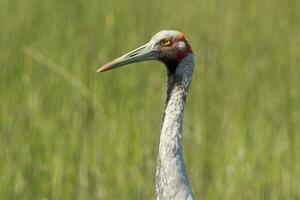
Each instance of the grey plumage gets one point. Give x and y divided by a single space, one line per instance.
171 177
171 48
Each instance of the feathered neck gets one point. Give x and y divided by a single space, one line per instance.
171 177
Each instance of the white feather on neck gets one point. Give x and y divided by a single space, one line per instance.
171 177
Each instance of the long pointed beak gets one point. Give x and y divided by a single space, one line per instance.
145 52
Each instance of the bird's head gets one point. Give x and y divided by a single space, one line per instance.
169 47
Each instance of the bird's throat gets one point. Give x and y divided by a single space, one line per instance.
171 67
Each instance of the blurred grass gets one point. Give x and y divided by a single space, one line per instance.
242 119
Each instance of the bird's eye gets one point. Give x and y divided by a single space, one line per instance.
166 42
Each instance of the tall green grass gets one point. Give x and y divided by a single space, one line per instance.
69 133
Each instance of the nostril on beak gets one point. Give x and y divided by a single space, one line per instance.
135 52
132 55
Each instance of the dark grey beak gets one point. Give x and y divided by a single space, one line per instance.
143 53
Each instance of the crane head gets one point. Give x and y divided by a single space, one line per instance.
169 47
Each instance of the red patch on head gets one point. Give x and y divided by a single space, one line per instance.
182 55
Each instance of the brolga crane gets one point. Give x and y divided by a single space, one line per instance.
171 48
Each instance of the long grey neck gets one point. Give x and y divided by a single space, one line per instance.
171 177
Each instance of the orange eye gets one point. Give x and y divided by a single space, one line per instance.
166 42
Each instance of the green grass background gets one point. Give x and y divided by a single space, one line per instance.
67 132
